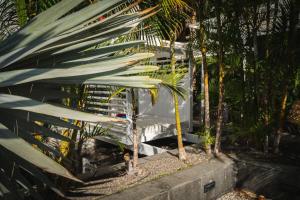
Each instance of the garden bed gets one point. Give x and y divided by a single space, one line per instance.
150 168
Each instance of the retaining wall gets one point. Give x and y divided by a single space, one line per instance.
204 181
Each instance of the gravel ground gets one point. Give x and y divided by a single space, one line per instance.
150 168
236 195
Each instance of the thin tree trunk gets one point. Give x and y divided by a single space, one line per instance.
255 27
206 91
217 148
281 120
194 79
255 79
289 70
135 149
135 133
181 150
266 103
191 54
203 95
205 77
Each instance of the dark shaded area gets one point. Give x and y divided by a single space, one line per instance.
275 176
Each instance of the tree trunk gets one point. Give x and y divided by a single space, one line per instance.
206 91
205 75
266 102
135 133
191 54
281 120
203 95
217 148
193 36
135 149
181 150
289 70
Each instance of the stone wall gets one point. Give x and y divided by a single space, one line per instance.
205 181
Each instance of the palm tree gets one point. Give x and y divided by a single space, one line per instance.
221 78
167 24
181 151
203 49
8 19
287 27
50 52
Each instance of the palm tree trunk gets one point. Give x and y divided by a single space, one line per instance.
135 149
266 102
289 69
206 99
217 147
193 36
135 133
205 76
204 94
191 54
206 91
281 120
181 150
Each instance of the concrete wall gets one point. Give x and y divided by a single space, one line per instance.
187 184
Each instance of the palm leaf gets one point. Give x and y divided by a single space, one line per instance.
66 44
22 103
18 146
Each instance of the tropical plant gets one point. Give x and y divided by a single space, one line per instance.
181 151
286 28
205 76
166 24
57 48
207 140
8 19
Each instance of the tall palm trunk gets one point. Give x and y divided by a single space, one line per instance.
206 91
205 75
190 50
193 36
289 68
134 132
266 95
217 147
181 150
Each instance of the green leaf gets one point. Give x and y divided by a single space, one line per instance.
18 146
25 44
121 81
39 93
26 104
31 127
82 68
32 117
